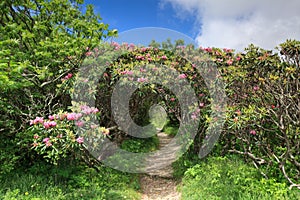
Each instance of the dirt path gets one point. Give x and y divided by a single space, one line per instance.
159 183
157 188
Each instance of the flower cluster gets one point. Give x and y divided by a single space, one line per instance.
58 135
67 77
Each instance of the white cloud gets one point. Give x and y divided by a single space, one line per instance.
237 23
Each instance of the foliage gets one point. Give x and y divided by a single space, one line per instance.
138 145
65 181
42 43
231 178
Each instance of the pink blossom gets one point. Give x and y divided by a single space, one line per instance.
164 57
130 73
255 88
73 116
93 126
51 117
143 49
79 140
131 45
238 112
227 50
68 76
88 53
201 105
35 136
46 125
49 124
253 132
208 49
238 58
229 62
182 76
142 70
139 57
88 110
194 116
79 123
48 144
59 136
37 120
46 140
172 99
141 80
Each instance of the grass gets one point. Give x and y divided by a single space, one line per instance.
43 181
232 179
215 177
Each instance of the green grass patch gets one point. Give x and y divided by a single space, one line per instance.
232 179
43 182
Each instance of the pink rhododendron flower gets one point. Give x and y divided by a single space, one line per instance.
89 53
182 76
143 49
93 126
79 140
73 116
48 144
59 136
164 57
194 116
141 80
37 120
229 62
139 57
35 136
238 112
79 123
201 105
46 125
46 140
142 70
172 99
253 132
238 58
68 76
51 117
255 88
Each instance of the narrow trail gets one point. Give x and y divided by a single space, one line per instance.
159 183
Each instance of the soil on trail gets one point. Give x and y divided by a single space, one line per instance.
157 188
159 184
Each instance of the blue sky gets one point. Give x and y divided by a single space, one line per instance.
125 15
210 23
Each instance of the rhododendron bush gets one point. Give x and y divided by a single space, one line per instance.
42 44
262 117
39 70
